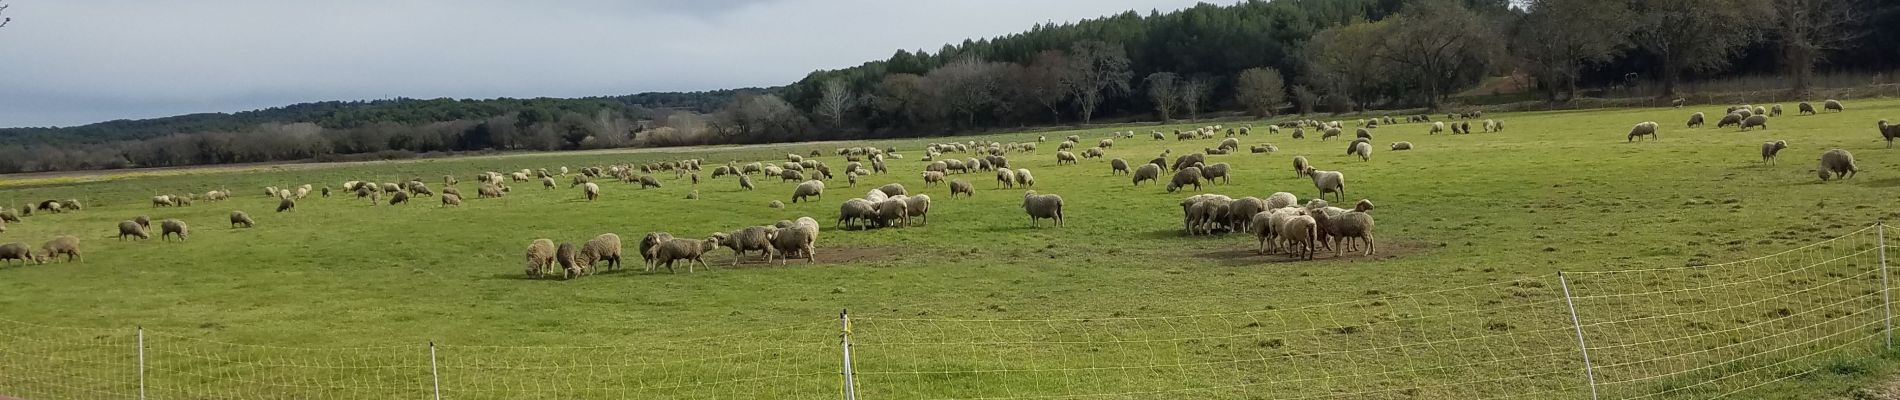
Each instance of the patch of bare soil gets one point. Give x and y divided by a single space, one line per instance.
826 256
1383 250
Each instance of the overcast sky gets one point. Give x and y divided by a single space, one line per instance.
71 62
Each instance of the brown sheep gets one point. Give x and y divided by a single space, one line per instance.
682 249
18 251
240 218
66 245
647 244
286 204
132 228
170 227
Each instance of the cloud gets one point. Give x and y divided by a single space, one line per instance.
74 62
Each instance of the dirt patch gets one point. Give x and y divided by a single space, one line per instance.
826 256
1385 250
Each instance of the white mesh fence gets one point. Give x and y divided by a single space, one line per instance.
1697 332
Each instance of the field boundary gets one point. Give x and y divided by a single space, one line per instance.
1731 328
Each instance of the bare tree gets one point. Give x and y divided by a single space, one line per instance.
1193 93
1695 35
1260 90
1097 70
1164 89
3 10
1435 41
1042 82
1305 98
1809 29
834 100
1346 60
1558 38
967 87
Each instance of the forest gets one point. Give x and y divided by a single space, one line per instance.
1261 58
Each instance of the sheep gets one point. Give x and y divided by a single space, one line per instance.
1229 144
1644 129
1202 213
132 229
1024 178
1005 177
875 195
540 257
1346 226
488 190
1189 160
1769 149
182 200
1364 150
793 239
163 200
1329 133
1677 103
1364 134
1184 177
241 218
1218 170
1063 157
893 189
1117 166
745 182
1805 108
1105 143
1240 213
375 198
1299 133
648 181
652 239
1260 224
400 197
1838 162
8 216
1755 121
1301 234
1281 200
1695 120
548 182
18 251
565 254
806 190
1300 165
451 199
1774 111
1888 132
1040 206
1328 182
856 211
605 247
894 211
1396 146
170 227
1092 153
1832 105
755 238
1436 128
1458 129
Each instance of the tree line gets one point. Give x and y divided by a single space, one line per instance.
1263 58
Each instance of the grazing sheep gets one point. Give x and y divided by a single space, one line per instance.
875 195
400 197
1363 149
857 212
565 254
143 221
1643 129
1805 108
605 247
9 216
806 190
755 238
1775 111
1888 132
1301 234
1328 182
961 186
932 178
1229 144
745 182
451 199
548 182
241 218
163 200
1218 170
1280 200
1363 134
132 229
893 211
1147 172
1755 121
648 181
791 175
1184 177
540 257
793 239
1730 119
893 189
1677 103
1189 160
18 251
286 204
1300 166
1436 128
1120 166
170 227
1838 162
1092 153
1063 157
1299 133
1769 149
1240 213
1105 143
1695 120
454 191
1832 105
1329 133
1040 206
1202 213
1005 177
1396 146
1024 178
487 191
590 190
693 195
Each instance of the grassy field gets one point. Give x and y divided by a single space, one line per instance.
339 299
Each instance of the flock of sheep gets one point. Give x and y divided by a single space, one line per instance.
1279 222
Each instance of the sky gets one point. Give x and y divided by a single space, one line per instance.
72 62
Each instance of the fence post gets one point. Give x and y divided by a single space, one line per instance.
1886 301
435 378
850 386
141 362
1588 370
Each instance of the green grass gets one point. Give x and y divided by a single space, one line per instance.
339 299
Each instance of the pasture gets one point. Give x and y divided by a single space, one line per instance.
338 298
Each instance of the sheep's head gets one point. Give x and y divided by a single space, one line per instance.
1363 206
